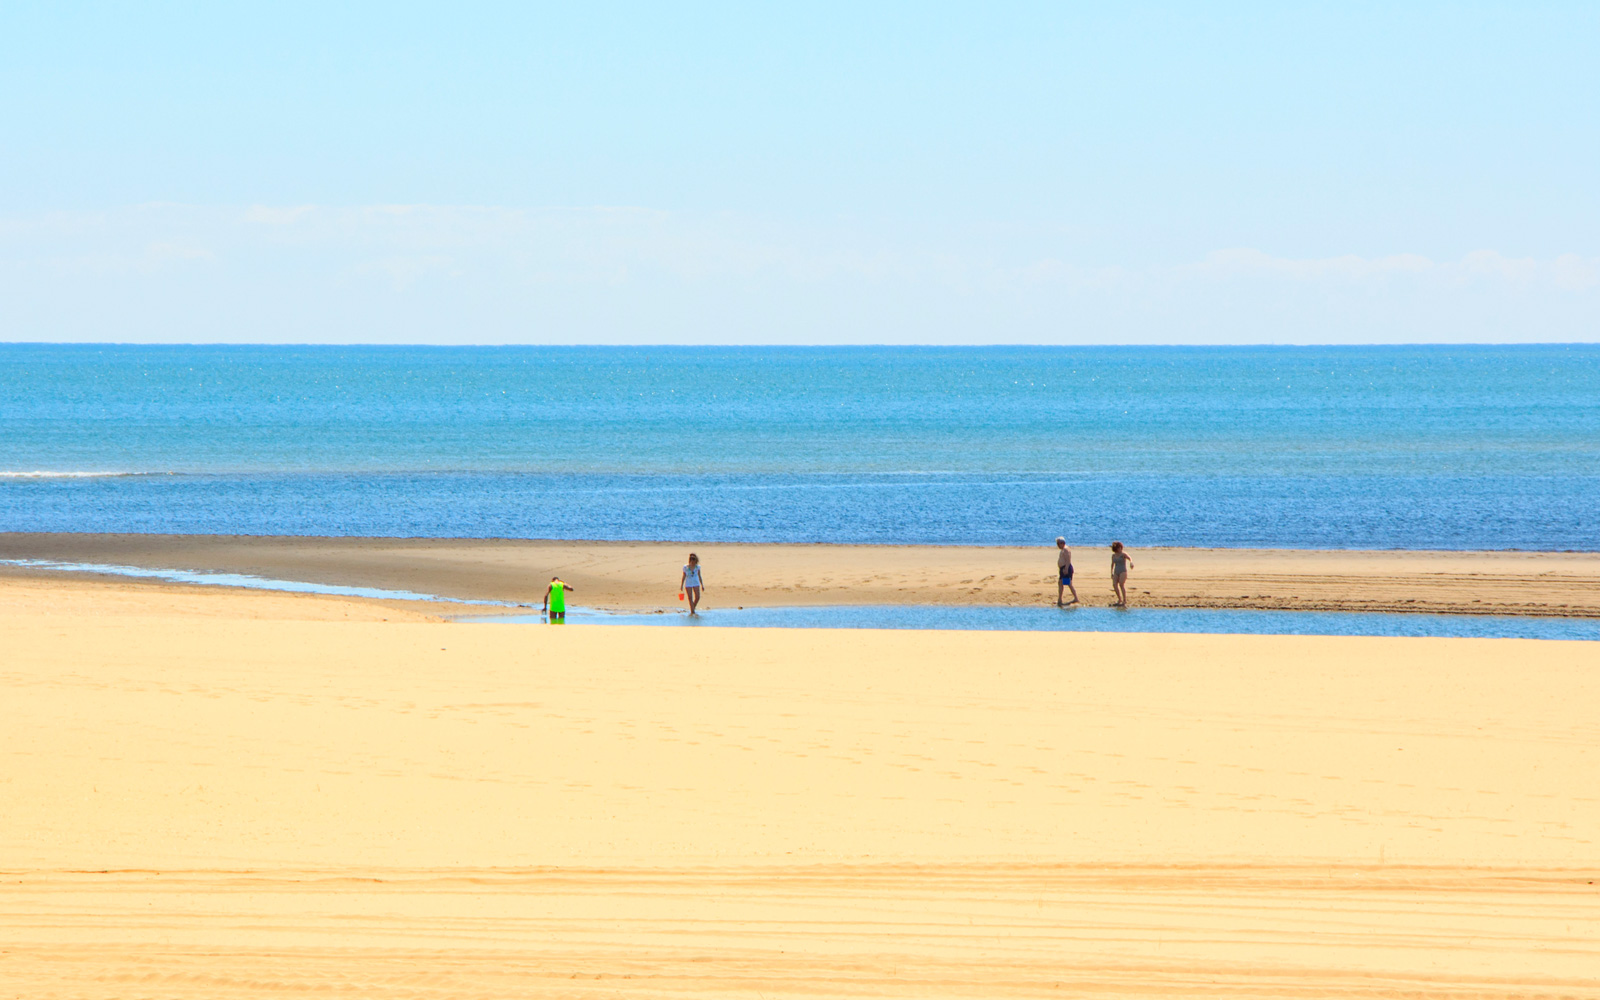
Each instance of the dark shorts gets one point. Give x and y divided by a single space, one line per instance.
1066 576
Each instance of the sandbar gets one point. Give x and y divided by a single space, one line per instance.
644 575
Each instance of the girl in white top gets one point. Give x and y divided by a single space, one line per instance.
691 583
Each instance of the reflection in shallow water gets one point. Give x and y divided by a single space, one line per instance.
1050 619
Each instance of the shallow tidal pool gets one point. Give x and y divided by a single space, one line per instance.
1081 619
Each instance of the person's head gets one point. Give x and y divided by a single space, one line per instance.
1116 546
694 560
1061 543
553 579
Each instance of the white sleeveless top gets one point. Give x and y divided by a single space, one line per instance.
691 576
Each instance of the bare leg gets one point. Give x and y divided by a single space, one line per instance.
694 599
1074 594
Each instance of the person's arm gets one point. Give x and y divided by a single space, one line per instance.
683 578
547 596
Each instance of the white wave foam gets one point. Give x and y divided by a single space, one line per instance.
45 474
243 580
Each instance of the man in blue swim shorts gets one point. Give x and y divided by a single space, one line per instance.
1064 573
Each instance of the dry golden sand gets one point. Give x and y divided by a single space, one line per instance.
644 575
218 795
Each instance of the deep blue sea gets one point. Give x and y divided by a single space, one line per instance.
1322 447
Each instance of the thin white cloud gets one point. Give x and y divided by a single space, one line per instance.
1568 272
620 274
1247 261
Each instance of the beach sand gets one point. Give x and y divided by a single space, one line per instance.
642 575
218 794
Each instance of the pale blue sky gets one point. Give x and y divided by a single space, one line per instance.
813 174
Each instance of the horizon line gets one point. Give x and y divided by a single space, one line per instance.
792 346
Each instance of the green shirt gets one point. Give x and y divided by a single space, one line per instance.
558 597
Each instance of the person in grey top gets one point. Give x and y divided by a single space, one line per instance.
1120 564
1064 573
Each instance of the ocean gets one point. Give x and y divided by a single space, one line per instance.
1482 447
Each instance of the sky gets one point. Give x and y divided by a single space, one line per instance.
804 173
